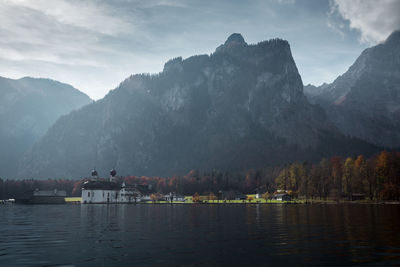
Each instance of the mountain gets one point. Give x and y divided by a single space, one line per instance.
28 107
240 107
364 102
312 91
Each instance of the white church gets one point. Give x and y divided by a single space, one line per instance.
97 191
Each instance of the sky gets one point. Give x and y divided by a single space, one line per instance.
95 44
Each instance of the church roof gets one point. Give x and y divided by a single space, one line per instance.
100 185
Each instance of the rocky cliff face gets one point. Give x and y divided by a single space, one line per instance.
27 109
365 101
242 106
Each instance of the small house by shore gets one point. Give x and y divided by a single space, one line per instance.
282 197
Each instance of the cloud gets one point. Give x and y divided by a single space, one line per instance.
53 33
64 40
286 1
95 44
374 19
87 15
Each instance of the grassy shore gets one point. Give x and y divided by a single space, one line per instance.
188 200
73 199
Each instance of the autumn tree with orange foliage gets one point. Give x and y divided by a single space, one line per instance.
196 197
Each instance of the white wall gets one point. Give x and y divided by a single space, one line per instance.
109 196
99 196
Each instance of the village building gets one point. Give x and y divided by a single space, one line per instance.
129 194
174 197
43 197
180 198
100 192
282 197
97 191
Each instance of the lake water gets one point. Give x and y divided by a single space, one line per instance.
199 235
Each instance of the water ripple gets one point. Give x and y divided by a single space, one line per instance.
198 235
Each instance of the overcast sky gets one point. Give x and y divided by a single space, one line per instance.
94 45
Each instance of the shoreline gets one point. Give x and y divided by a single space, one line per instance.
210 203
254 202
77 200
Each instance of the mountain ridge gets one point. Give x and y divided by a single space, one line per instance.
28 106
364 102
240 107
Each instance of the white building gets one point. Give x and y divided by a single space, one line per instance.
96 191
179 198
100 192
129 195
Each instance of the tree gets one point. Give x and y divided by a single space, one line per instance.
326 183
153 198
314 181
348 172
382 169
173 184
249 182
389 192
359 175
305 180
212 197
296 173
156 197
266 196
196 197
371 180
282 181
337 173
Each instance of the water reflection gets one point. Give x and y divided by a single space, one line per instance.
218 235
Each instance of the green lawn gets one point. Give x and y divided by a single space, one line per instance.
73 199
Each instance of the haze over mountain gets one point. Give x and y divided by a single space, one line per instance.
365 101
241 107
28 107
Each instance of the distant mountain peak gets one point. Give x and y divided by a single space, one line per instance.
394 37
28 107
364 101
235 38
